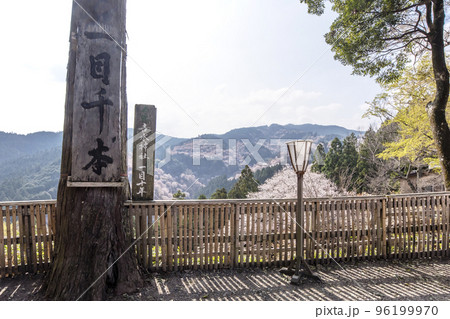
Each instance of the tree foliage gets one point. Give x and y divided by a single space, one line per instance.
179 195
381 37
318 159
341 161
377 37
220 193
245 184
402 104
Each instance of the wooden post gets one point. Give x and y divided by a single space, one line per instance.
144 152
93 228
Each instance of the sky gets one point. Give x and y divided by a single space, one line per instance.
209 66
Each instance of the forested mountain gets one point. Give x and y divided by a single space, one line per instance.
30 164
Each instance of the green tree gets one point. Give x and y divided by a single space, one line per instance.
402 104
220 193
331 166
381 37
245 184
202 196
348 162
318 159
179 195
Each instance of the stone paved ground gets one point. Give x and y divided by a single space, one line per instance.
416 280
412 280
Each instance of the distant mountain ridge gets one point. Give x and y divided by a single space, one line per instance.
30 164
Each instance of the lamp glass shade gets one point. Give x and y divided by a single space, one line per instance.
299 154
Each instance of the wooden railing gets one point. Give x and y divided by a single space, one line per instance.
27 232
246 233
175 235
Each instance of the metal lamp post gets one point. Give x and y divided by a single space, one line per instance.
299 154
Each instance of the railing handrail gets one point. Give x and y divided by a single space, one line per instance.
274 200
26 203
244 200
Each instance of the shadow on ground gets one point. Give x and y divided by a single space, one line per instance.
381 280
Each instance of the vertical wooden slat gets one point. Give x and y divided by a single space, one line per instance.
175 236
2 244
185 235
338 230
396 224
156 229
379 210
14 239
328 231
408 226
209 237
206 233
191 223
447 225
415 226
251 217
388 227
182 234
310 236
359 229
321 233
265 240
344 230
27 233
50 231
44 242
199 212
180 237
439 225
144 236
8 240
355 253
319 222
287 215
368 219
399 228
282 225
234 235
248 234
20 214
216 236
374 210
349 231
149 210
271 233
403 228
170 250
163 220
275 234
137 227
421 225
241 234
206 230
292 229
383 225
428 225
223 232
43 235
333 230
433 225
33 237
258 234
230 245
